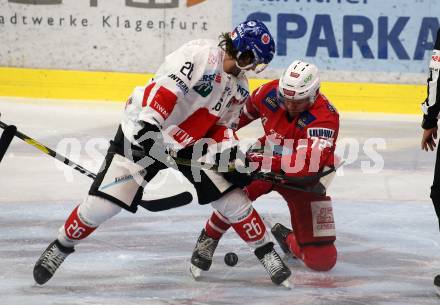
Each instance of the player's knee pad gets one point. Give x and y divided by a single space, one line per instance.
96 210
320 257
234 205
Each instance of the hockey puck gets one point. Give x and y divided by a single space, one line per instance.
231 259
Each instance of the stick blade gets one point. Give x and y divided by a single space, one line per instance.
6 139
167 203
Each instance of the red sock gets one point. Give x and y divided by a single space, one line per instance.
251 228
217 225
75 228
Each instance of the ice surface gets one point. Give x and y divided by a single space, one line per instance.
386 226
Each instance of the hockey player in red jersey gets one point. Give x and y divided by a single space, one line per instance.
301 128
198 92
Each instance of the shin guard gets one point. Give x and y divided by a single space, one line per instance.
252 230
217 225
75 228
314 233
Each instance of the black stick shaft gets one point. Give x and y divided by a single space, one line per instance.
51 152
154 205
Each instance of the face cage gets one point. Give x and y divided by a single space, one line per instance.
257 65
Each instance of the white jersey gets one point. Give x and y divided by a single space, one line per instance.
431 106
190 97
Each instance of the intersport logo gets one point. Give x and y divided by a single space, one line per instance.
130 3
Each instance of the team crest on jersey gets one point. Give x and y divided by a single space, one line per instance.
305 119
203 89
326 133
270 101
204 85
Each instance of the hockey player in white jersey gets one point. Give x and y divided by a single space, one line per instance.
196 93
431 110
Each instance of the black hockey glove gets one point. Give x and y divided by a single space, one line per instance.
148 136
240 176
238 179
151 140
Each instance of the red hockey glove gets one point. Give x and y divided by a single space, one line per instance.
257 188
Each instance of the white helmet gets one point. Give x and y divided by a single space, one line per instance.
299 81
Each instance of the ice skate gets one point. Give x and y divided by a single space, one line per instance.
274 265
49 261
201 259
280 233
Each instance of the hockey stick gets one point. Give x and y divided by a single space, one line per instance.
50 152
301 183
151 205
294 183
6 139
309 184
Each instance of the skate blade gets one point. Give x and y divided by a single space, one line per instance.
195 271
286 284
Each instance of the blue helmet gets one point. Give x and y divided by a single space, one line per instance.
253 35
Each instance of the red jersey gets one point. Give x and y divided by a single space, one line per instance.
308 140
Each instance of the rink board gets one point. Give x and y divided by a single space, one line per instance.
116 86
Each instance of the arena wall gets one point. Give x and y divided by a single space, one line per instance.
373 54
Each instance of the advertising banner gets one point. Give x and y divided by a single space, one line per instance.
110 35
349 35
